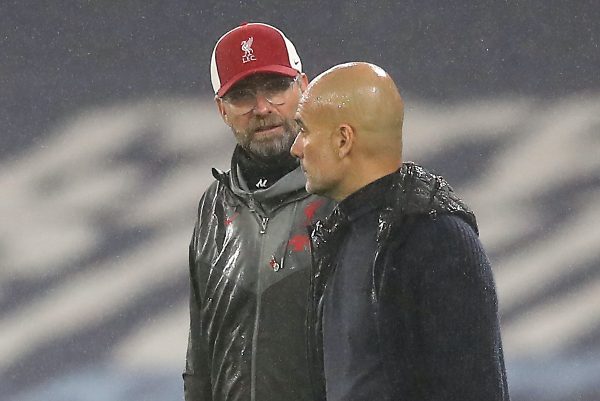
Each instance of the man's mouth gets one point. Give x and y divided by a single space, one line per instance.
267 128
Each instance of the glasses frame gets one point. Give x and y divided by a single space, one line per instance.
241 110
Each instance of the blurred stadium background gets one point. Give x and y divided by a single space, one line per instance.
108 133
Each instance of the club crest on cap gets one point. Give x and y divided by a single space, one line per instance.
247 49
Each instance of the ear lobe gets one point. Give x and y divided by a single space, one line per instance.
346 136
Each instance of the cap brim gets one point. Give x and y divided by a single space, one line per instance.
276 69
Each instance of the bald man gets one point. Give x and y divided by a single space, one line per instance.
402 301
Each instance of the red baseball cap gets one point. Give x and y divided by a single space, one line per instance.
248 49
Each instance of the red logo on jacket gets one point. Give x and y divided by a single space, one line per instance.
229 220
311 209
299 243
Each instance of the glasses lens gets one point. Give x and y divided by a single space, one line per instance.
275 90
243 100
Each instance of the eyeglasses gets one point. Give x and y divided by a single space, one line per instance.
242 100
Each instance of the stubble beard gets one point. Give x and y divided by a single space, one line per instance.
269 146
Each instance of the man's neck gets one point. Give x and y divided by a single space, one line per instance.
362 176
262 172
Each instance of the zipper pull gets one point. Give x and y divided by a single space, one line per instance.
251 204
275 265
263 224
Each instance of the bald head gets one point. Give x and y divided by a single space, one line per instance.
350 120
365 97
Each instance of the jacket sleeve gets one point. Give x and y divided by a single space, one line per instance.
196 377
197 374
440 317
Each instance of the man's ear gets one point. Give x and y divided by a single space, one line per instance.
345 140
221 108
303 82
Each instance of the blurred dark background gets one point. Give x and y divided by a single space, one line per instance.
59 56
108 133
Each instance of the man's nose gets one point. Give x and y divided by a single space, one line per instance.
262 106
296 149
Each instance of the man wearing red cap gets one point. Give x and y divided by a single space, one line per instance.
249 254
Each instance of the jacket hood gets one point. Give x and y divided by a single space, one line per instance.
289 188
415 191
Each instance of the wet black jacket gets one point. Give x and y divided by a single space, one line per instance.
249 276
436 308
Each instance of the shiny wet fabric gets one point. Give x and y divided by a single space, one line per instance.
249 274
430 294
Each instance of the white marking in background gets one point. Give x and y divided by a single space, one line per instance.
561 146
537 266
56 225
90 297
430 128
159 344
555 325
46 228
60 224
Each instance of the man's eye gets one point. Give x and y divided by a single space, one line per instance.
241 94
276 86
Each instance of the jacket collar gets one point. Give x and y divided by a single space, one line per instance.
368 198
289 188
410 191
289 183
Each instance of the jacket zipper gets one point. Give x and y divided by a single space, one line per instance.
263 223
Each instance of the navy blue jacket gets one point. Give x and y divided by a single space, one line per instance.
432 291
